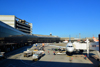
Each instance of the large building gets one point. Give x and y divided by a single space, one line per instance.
17 23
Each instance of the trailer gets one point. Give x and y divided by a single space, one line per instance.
37 55
28 53
60 52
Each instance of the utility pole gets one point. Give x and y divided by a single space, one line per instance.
76 36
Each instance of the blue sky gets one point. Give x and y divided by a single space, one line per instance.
60 17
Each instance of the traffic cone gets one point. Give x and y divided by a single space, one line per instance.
48 53
53 52
71 58
85 57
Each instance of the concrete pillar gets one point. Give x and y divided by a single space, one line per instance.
87 47
99 47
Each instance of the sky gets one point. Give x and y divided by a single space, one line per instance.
59 17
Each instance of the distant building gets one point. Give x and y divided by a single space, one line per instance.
44 35
17 23
66 38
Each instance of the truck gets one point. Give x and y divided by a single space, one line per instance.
28 53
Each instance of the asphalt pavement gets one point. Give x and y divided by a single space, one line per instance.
48 60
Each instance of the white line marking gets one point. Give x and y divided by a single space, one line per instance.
10 65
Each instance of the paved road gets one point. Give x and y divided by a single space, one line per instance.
17 60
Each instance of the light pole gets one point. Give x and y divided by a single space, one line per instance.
79 35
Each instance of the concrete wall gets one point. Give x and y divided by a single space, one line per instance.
8 19
12 21
30 28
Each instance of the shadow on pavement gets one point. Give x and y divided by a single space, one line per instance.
17 51
30 63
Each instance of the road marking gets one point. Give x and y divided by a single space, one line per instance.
10 65
50 61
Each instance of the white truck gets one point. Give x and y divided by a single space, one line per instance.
27 53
